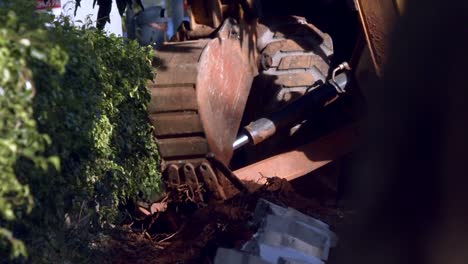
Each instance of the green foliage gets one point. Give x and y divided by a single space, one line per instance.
75 142
19 137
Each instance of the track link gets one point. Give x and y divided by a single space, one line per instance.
295 58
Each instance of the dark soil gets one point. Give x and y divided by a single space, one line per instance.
189 233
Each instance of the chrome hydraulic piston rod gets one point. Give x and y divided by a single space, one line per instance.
293 113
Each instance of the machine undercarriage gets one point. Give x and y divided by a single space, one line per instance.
243 87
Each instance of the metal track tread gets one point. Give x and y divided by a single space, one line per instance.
296 53
173 110
295 57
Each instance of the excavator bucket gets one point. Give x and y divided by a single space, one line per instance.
199 95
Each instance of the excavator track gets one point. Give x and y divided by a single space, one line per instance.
197 101
173 112
201 89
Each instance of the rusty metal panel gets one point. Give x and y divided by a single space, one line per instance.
182 147
307 158
178 123
290 29
172 99
177 62
173 176
277 51
206 12
223 88
378 18
296 80
183 73
192 182
178 161
308 31
211 181
295 62
288 45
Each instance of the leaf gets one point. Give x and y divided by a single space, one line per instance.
55 161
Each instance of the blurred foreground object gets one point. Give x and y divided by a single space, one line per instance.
410 183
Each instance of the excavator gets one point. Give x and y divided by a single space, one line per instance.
247 90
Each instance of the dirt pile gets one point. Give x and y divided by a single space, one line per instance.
191 233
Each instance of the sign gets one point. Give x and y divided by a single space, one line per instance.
51 4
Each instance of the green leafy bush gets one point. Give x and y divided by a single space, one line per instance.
75 142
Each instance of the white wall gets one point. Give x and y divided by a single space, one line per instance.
86 9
